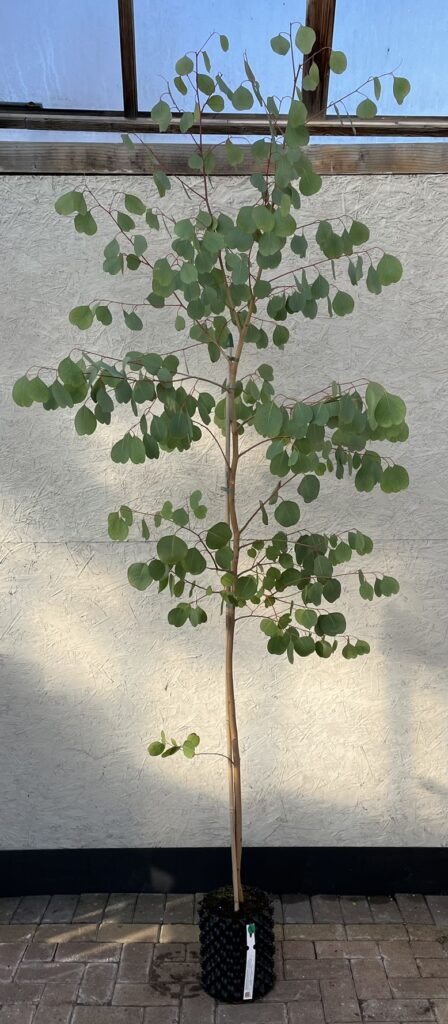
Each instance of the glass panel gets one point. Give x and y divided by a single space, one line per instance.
406 36
367 140
249 26
61 54
23 135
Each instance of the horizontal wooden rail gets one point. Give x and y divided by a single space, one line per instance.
115 158
217 124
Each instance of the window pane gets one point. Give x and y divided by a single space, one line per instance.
248 25
406 36
61 53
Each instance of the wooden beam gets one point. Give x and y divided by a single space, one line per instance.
112 159
128 60
218 124
319 16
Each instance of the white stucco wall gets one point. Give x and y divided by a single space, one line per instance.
351 753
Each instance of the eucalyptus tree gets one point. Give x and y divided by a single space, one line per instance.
232 299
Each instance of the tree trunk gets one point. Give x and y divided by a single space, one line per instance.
233 753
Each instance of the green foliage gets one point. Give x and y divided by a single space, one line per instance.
305 39
366 109
220 284
134 205
280 44
161 113
162 747
389 270
82 317
338 62
287 513
401 88
118 523
71 202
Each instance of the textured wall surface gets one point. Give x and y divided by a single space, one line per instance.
351 753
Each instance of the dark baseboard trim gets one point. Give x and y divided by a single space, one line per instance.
349 870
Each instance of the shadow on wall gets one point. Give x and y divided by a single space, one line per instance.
417 726
330 751
78 755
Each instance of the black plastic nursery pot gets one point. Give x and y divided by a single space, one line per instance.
237 948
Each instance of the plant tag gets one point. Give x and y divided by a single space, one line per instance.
250 962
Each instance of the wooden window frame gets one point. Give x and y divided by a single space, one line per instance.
98 158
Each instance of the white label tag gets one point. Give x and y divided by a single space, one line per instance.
250 962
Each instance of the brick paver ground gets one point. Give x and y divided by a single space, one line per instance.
132 958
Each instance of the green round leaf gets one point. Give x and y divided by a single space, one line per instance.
193 738
38 390
245 588
359 233
162 183
390 411
180 85
304 645
277 644
218 536
280 335
279 44
310 182
124 222
104 315
394 479
349 651
137 452
242 98
171 549
184 66
224 43
309 488
85 224
305 39
401 88
70 202
338 62
82 317
268 419
116 527
139 575
132 321
206 84
389 586
21 393
156 569
178 616
216 103
331 624
188 273
85 421
389 270
188 749
234 154
186 122
194 562
342 304
306 617
366 109
323 649
331 590
161 114
287 513
156 748
134 205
